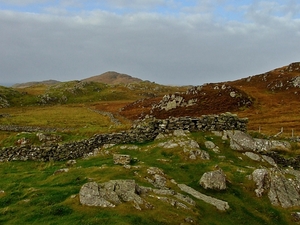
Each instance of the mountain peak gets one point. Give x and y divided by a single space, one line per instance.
112 77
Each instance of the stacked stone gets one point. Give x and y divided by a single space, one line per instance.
145 130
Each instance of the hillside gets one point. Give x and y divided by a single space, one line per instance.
196 101
109 77
112 77
270 101
177 178
76 150
35 83
276 95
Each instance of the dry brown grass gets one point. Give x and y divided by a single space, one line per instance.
33 90
273 109
78 118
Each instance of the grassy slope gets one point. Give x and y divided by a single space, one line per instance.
77 115
33 195
32 185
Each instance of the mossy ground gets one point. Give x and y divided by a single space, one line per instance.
34 195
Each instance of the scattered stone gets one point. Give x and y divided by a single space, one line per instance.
158 179
269 160
22 141
126 166
64 170
48 138
169 144
160 136
71 162
106 146
164 192
209 144
199 153
73 196
121 159
164 160
155 170
179 133
218 133
215 180
296 216
189 220
173 202
219 204
253 156
185 198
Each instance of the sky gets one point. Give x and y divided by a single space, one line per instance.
169 42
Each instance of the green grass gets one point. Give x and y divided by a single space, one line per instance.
73 122
76 92
34 195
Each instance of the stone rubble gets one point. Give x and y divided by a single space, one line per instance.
141 131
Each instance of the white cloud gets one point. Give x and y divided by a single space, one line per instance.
181 48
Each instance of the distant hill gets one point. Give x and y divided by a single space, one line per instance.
33 83
270 100
112 77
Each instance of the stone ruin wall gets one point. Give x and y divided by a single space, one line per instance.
141 131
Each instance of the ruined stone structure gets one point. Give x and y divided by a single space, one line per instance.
141 131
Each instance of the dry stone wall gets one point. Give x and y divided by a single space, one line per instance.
15 128
142 131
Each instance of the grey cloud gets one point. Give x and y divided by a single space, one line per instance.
23 2
188 49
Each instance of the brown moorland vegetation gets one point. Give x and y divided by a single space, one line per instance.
276 95
270 101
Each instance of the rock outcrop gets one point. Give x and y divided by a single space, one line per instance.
111 193
219 204
115 192
157 177
241 141
282 191
262 181
121 159
182 139
215 180
4 103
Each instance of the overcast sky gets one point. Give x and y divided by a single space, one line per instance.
167 42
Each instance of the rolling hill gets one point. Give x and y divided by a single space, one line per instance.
34 83
112 77
77 117
270 101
